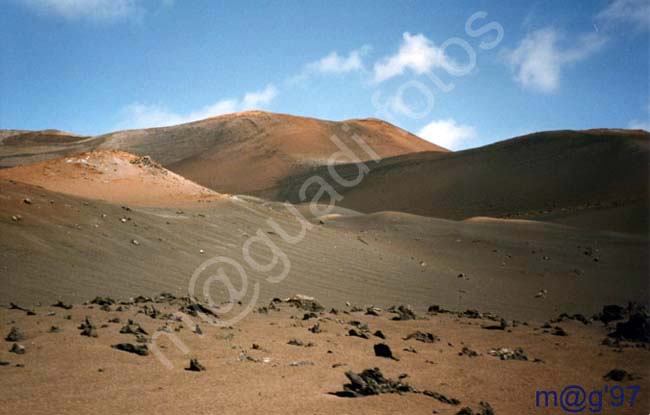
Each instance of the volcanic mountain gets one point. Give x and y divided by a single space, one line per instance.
249 152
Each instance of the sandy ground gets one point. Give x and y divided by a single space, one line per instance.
73 249
65 372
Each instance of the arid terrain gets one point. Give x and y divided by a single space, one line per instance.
484 249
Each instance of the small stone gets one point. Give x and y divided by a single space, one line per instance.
14 335
61 304
140 349
466 351
379 334
620 375
355 333
559 331
383 350
404 312
442 398
17 348
195 366
422 337
87 328
301 363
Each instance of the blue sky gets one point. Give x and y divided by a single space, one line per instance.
94 66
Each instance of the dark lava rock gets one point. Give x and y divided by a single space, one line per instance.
142 299
442 398
620 375
509 354
195 308
4 363
422 337
354 333
27 311
17 348
151 311
577 317
315 328
468 352
503 324
484 409
296 342
55 329
434 309
469 313
636 329
305 303
165 298
87 328
103 301
140 349
371 382
195 366
611 312
361 326
379 334
559 331
382 350
14 335
61 304
134 328
404 312
263 310
310 315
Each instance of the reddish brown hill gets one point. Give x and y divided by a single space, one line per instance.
113 176
247 152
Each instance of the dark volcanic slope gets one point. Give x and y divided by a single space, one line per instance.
236 153
594 178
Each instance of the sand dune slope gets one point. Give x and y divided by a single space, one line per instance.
62 246
595 178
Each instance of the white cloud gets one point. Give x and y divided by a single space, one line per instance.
447 133
333 64
538 60
416 53
139 115
636 12
98 10
639 125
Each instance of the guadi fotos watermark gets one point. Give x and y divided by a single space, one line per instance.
260 253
